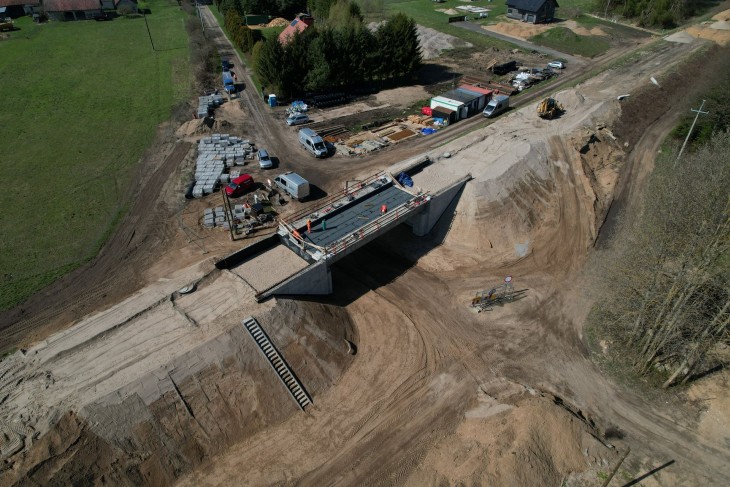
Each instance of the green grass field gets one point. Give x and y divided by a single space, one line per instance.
425 13
567 41
80 103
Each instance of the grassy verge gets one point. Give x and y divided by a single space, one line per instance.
424 13
81 102
565 40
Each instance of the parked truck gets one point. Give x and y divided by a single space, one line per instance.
229 82
496 105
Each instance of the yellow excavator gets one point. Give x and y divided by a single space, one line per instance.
549 108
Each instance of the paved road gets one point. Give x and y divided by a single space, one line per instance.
572 60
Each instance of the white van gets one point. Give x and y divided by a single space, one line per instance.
496 105
312 142
294 184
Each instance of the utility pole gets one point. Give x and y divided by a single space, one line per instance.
148 30
200 16
698 111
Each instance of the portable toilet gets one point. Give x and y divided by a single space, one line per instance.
272 100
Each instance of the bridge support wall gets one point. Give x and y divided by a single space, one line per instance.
423 222
314 279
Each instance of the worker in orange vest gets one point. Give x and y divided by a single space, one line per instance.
309 226
383 209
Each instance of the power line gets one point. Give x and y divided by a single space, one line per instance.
699 110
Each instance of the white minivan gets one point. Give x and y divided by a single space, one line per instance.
294 184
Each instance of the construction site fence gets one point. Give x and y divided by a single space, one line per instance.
375 226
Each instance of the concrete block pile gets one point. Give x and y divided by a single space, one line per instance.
208 103
215 217
216 154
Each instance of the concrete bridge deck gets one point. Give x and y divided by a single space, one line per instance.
351 219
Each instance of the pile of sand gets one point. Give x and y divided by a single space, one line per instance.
448 11
433 42
523 30
534 442
278 22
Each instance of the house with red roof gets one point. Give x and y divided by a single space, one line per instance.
297 25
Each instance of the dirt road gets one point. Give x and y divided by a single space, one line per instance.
436 393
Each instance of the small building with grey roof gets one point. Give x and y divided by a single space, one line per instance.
532 11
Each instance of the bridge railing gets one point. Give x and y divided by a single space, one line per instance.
390 216
320 205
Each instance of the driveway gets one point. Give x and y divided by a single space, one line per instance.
572 60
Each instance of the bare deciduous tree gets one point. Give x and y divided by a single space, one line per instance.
666 295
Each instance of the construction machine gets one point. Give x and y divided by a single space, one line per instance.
549 108
497 295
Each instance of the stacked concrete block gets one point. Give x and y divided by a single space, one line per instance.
208 218
216 154
208 103
215 217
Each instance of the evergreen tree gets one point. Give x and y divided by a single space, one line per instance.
269 64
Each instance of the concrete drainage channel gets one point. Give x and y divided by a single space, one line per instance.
280 366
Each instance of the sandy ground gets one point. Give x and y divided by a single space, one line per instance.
716 30
523 30
162 383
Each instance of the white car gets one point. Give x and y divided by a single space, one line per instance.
556 64
297 118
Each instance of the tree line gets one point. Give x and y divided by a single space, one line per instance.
665 305
652 13
337 52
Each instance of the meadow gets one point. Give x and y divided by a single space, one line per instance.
81 101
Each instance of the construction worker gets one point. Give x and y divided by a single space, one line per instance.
309 226
383 209
324 224
297 235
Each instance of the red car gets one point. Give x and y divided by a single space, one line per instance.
240 185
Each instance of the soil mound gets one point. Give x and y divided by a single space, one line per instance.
554 442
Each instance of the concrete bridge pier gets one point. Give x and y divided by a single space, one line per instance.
423 222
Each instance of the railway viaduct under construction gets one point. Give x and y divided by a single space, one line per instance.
297 259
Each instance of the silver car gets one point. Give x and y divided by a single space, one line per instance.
556 64
264 159
297 118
